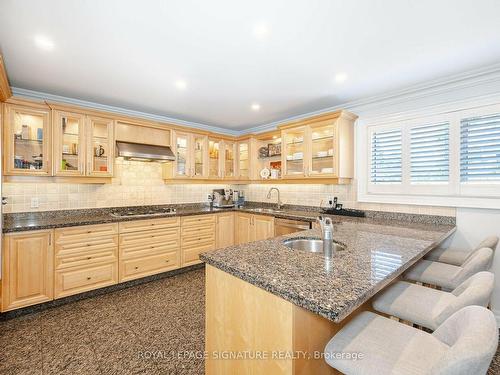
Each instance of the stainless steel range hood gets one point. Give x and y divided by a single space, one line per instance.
143 152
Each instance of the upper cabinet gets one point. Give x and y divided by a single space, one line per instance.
243 159
27 135
229 160
214 164
190 156
83 145
294 144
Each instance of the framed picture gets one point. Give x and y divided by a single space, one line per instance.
274 149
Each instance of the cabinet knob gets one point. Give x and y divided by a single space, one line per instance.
88 278
168 260
136 268
88 258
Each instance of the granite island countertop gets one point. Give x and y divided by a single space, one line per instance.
377 252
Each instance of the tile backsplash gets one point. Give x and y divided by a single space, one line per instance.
139 183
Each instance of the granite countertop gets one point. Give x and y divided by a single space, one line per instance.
377 251
68 218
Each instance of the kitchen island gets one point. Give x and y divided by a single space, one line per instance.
271 310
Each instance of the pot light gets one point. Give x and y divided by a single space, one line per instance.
255 107
340 77
42 42
180 84
260 30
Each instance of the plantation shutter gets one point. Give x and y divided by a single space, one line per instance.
430 153
386 157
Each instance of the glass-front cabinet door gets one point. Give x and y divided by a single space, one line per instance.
198 168
229 159
322 151
294 152
27 133
69 136
181 165
243 160
100 147
213 159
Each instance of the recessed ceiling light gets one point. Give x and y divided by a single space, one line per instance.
340 77
42 42
180 84
255 106
260 30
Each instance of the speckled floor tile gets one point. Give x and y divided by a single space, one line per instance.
155 328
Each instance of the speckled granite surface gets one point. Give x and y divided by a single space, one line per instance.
19 222
377 252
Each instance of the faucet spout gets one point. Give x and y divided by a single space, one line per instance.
278 204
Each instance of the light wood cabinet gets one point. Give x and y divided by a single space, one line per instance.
214 163
27 136
69 143
251 227
28 269
225 229
243 172
86 258
229 160
148 247
197 236
100 147
191 152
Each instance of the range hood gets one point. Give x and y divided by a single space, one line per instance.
144 152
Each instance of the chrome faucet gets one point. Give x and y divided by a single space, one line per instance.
279 204
326 235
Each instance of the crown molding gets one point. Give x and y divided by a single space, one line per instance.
31 94
473 80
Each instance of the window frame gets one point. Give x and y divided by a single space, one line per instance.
454 193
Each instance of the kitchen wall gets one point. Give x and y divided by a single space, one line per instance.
135 183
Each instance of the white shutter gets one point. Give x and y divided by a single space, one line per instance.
480 149
386 157
430 153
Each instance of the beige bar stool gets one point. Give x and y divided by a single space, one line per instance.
430 307
448 276
463 345
458 257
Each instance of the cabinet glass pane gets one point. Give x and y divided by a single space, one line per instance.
182 150
70 148
229 160
100 146
199 145
28 141
294 152
243 159
213 158
322 150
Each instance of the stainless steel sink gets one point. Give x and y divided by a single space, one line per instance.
313 245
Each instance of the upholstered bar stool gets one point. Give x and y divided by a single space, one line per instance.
458 257
448 276
463 345
430 307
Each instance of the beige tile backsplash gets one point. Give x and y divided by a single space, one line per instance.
138 183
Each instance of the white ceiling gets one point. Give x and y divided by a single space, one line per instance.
132 54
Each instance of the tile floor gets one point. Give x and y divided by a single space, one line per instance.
139 330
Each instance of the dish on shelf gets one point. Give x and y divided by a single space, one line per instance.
326 170
265 173
322 154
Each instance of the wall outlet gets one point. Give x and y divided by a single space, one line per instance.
35 202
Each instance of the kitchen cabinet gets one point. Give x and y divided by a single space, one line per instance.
27 136
197 236
251 227
225 229
229 160
191 155
86 258
148 247
27 269
243 160
100 146
321 148
214 167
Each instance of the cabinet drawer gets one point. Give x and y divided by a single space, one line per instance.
92 244
197 220
140 267
201 239
73 281
191 255
87 258
140 225
148 249
195 231
149 237
84 233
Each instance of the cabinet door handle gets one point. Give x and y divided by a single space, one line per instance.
88 278
50 239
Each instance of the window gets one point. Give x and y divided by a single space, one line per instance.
386 157
480 149
430 153
450 158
